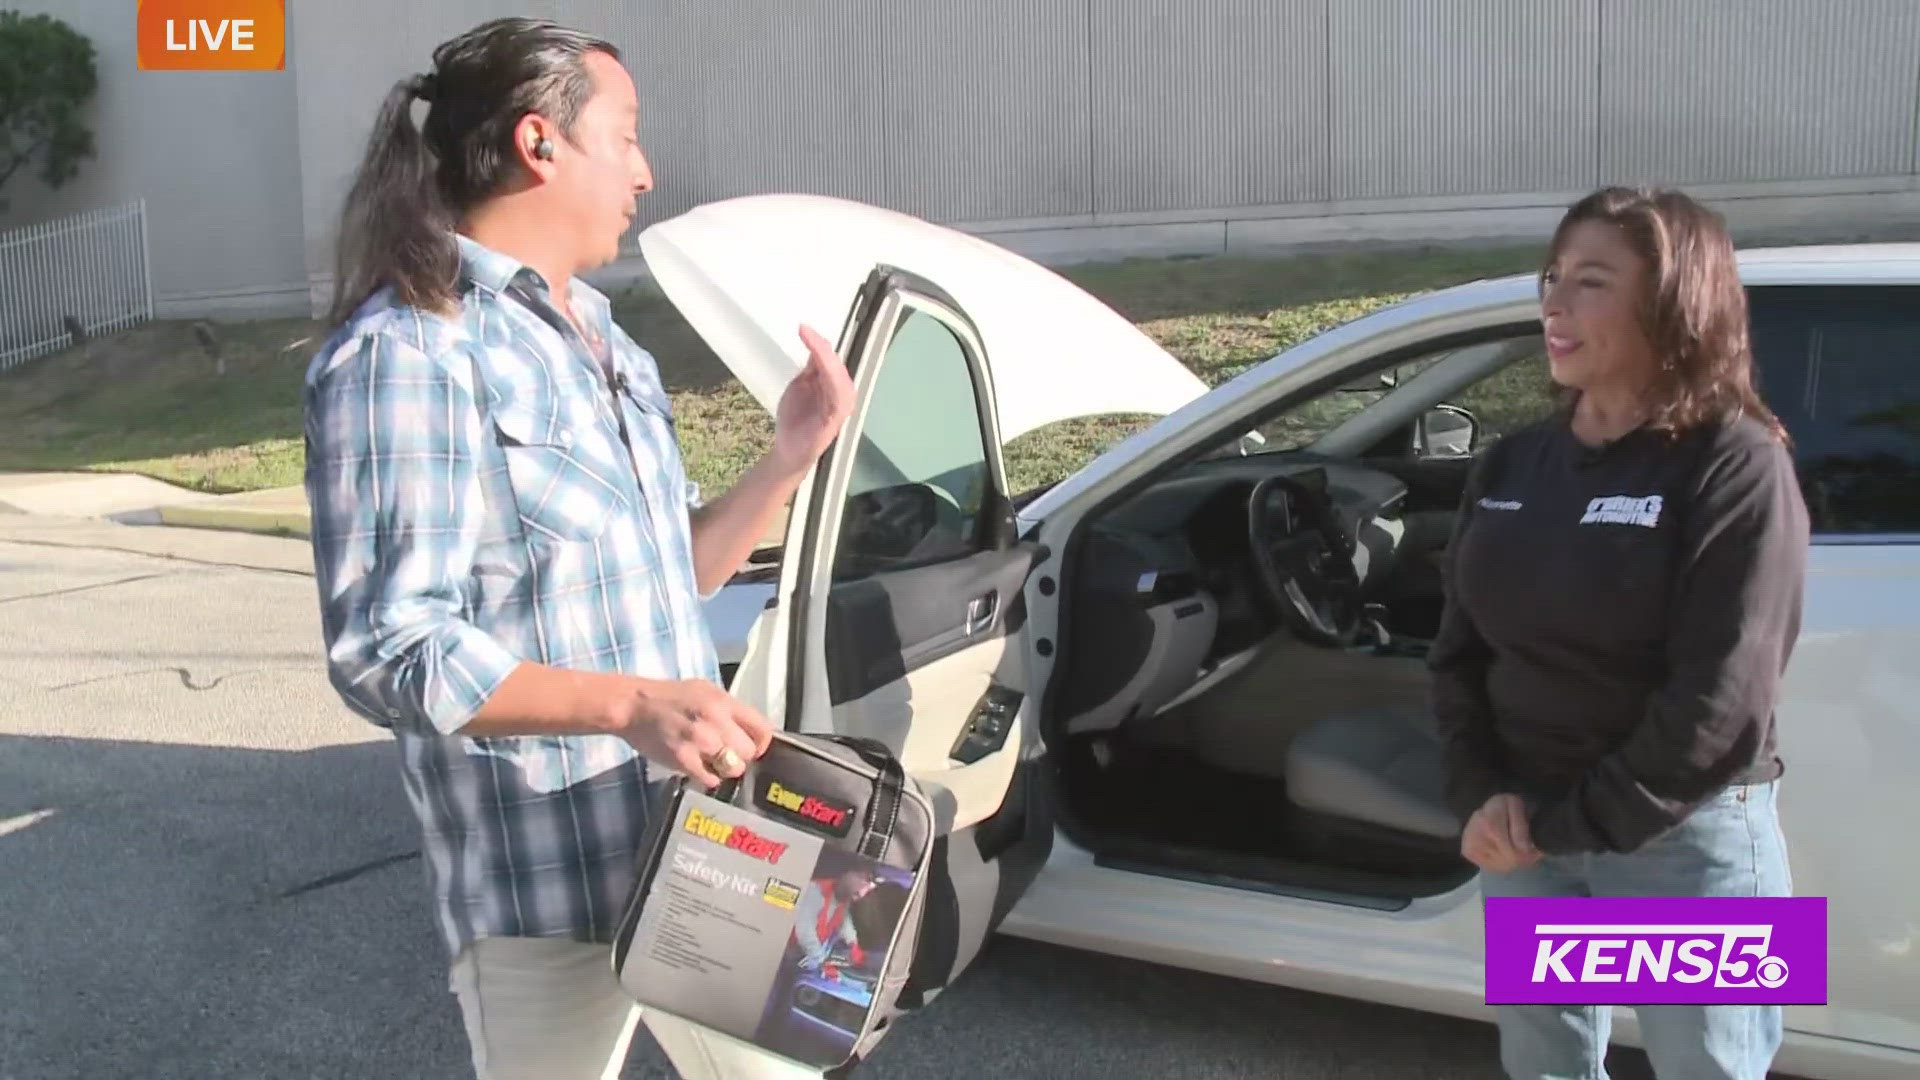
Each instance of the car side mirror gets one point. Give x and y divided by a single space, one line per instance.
1446 431
890 522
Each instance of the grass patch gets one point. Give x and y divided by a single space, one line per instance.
153 401
149 401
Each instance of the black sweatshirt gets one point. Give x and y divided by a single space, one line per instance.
1616 626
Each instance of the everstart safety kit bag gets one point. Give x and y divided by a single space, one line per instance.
784 908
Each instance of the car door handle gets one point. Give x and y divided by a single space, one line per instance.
980 612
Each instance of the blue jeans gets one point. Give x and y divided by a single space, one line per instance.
1730 846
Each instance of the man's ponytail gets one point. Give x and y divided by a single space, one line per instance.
415 183
397 229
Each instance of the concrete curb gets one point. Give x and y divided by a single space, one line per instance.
135 500
270 521
91 494
230 519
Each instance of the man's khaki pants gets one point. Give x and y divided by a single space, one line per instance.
545 1009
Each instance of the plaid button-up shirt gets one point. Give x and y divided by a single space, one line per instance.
486 490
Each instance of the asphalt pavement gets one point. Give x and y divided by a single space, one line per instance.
208 870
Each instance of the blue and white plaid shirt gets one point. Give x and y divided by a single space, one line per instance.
475 505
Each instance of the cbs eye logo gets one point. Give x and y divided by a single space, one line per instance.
1772 972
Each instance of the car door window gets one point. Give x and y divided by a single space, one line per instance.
1521 393
1841 367
920 474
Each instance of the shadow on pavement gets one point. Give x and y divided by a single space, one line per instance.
176 911
180 911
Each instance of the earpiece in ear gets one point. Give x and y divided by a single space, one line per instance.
543 150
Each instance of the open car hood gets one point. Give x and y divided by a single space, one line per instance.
747 272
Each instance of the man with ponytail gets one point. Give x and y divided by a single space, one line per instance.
510 560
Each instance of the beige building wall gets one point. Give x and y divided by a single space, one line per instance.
216 156
1073 129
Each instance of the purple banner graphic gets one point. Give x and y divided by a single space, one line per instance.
1666 951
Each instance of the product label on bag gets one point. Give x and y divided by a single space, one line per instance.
761 931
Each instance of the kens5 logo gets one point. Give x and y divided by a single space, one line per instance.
212 35
1689 950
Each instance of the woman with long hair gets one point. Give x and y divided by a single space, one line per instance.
1624 594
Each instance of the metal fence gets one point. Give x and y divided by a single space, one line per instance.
89 271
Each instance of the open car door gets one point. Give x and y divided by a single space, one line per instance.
899 614
901 600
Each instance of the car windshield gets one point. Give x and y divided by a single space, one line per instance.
1040 459
1303 424
1517 392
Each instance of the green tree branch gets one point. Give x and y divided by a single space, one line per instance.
47 77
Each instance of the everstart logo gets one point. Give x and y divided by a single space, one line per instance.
212 35
811 810
1674 950
738 837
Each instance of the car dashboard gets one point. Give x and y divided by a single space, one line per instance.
1164 598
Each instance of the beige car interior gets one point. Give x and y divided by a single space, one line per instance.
1350 735
1192 692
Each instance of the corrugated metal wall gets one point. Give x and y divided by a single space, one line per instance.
1735 91
1177 115
1098 111
1462 97
1198 104
999 114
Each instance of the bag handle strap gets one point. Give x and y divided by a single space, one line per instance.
883 810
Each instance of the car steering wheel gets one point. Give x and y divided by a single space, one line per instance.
1304 561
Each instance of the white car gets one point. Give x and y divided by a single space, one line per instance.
1155 723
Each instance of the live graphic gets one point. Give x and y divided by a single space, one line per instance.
1632 951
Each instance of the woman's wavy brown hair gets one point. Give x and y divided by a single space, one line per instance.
1694 308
